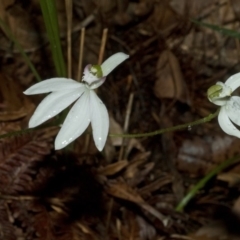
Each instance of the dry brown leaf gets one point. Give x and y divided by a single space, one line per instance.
132 169
147 231
113 168
162 18
27 28
123 191
199 155
23 27
236 7
223 16
116 128
157 184
134 10
223 147
6 127
14 104
17 155
236 206
194 156
213 231
7 229
231 178
128 227
4 4
117 141
141 174
108 7
170 82
191 8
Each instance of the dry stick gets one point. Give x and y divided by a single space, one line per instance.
88 20
126 124
69 35
118 227
80 60
100 59
18 198
238 49
103 45
54 201
109 215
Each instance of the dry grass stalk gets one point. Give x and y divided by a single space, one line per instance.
82 38
69 36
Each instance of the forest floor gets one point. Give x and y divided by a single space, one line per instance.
132 188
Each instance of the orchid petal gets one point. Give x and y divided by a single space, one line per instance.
98 83
233 109
112 62
52 85
99 120
226 125
233 81
226 90
53 104
219 101
75 123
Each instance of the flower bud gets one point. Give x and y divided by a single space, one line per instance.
214 91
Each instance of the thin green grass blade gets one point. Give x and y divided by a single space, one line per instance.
58 121
204 181
9 34
16 133
29 130
225 31
51 22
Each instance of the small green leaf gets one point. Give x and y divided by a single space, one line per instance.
51 23
225 31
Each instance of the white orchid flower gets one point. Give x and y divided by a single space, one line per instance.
220 94
88 108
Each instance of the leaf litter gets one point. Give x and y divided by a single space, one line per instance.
130 191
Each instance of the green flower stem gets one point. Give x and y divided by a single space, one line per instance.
161 131
204 180
51 23
16 133
171 129
9 34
